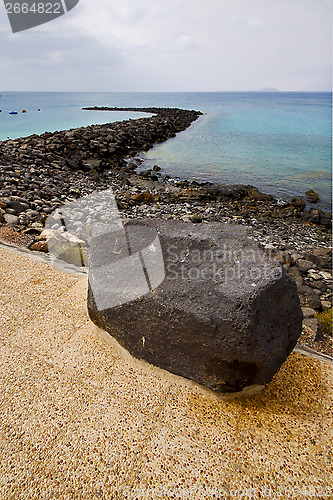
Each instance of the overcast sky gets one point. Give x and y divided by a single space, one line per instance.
173 45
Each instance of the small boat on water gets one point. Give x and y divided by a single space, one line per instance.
13 113
24 111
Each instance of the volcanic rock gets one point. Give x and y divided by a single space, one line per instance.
312 196
219 311
298 203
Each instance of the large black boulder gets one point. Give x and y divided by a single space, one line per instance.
215 309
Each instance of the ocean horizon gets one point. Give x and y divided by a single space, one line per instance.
280 142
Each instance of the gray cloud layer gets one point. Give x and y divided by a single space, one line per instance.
173 45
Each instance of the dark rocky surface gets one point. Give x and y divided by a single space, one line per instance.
226 315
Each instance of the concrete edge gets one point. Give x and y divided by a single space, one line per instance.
300 349
46 258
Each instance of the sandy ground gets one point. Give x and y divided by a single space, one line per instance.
81 419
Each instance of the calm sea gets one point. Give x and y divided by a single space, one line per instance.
280 142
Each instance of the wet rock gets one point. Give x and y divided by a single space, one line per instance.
234 192
312 196
196 219
318 216
298 203
254 194
225 315
143 198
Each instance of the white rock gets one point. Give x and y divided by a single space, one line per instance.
325 275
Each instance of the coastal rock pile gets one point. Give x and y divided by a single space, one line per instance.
225 315
43 172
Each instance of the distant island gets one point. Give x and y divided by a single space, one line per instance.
268 89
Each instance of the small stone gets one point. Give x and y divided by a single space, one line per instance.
10 211
33 230
314 274
308 312
326 304
196 219
4 202
270 248
326 276
294 272
13 220
284 258
304 265
144 198
318 285
39 246
309 297
313 301
18 206
322 257
156 168
314 327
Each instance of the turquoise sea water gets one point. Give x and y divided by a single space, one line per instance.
279 142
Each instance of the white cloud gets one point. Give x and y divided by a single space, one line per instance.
175 45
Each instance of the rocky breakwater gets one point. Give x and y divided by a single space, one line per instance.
201 301
40 173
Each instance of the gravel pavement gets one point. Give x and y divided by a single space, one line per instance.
81 419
